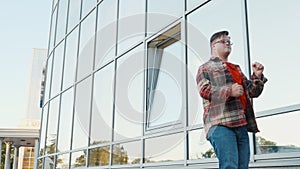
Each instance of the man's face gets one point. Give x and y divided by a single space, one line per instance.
222 46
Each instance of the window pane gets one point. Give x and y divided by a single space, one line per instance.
48 78
70 59
87 6
52 125
129 94
127 153
65 121
62 161
99 156
78 159
82 114
131 23
53 29
43 130
102 111
199 31
199 147
106 32
86 46
57 69
165 76
281 63
275 138
61 20
165 148
74 13
162 13
231 20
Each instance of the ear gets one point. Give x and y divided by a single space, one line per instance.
213 46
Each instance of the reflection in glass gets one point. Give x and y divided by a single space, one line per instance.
40 163
70 59
162 13
62 161
131 23
65 121
106 33
82 114
129 95
74 13
164 148
102 110
282 25
61 20
52 125
275 138
57 69
127 153
48 78
198 52
99 156
49 162
199 147
43 130
78 159
165 74
86 46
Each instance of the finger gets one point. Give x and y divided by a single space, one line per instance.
260 67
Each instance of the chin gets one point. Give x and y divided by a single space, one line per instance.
227 53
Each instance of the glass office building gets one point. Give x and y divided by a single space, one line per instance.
120 89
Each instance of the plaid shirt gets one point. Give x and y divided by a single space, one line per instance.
214 83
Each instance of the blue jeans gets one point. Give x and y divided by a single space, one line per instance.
231 146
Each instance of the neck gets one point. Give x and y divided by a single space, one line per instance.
222 58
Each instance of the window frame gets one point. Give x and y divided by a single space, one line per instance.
160 41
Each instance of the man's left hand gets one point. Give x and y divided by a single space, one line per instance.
257 69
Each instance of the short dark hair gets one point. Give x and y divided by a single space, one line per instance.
218 35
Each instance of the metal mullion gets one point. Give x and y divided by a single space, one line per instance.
185 54
114 90
92 88
252 141
74 92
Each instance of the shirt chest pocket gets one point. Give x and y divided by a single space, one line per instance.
218 76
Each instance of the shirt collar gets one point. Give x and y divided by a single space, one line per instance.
215 58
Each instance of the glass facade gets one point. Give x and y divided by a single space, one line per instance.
120 89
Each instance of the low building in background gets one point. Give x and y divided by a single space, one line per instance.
22 141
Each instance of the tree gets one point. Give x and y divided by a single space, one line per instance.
209 154
120 155
81 160
266 146
99 156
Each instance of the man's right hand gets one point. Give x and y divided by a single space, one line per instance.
236 90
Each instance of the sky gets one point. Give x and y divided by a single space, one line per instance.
24 25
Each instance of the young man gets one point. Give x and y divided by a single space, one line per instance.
228 112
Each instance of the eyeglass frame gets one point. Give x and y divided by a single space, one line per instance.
224 42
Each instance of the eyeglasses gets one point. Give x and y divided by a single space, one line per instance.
224 42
